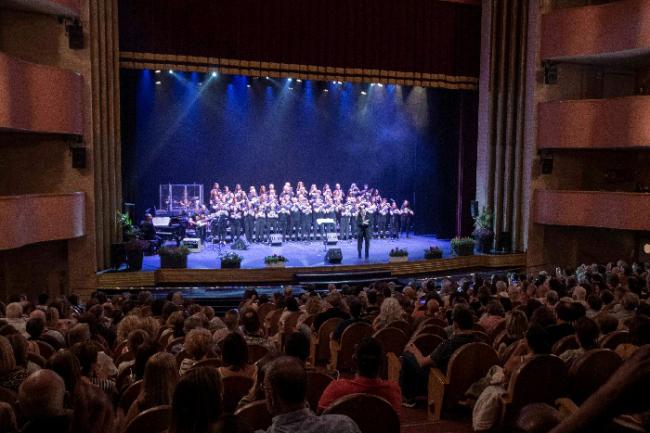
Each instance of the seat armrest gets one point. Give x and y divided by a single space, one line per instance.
394 366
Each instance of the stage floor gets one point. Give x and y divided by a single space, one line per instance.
307 254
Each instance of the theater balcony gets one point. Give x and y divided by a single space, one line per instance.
616 123
29 219
66 8
39 99
612 210
611 31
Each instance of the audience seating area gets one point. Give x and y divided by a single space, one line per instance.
470 354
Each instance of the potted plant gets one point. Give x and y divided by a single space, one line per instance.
483 233
134 250
433 253
462 246
275 261
129 230
334 256
398 255
173 257
231 261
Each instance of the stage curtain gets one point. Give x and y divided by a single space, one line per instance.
409 40
105 125
506 99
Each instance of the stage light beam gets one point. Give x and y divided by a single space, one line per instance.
158 71
214 74
171 71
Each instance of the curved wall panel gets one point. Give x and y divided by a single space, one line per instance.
28 219
624 211
51 7
595 123
38 98
595 30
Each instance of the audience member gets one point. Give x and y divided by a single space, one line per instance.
197 402
235 357
11 375
199 346
41 398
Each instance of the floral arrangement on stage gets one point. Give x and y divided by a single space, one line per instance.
239 244
398 255
231 261
398 252
462 246
275 260
173 257
433 253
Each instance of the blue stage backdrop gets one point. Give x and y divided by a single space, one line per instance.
188 127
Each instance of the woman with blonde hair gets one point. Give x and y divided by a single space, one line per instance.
389 312
127 325
198 344
11 376
160 379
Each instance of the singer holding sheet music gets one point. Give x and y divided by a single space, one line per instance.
363 229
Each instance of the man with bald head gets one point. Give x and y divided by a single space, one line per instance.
40 398
285 387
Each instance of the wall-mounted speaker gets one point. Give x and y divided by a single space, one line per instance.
79 157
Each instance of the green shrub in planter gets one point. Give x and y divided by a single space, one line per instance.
275 261
433 253
231 261
462 246
398 255
173 257
134 250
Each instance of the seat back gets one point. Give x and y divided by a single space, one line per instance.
482 336
309 320
129 395
401 324
256 415
372 414
124 357
45 349
434 321
36 359
614 339
209 362
541 379
234 388
328 326
352 335
316 384
392 340
256 352
119 349
505 355
568 342
590 371
8 396
499 338
467 365
427 343
154 420
501 326
434 330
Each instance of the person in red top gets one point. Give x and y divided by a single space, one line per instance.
368 358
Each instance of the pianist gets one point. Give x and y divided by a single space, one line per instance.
148 230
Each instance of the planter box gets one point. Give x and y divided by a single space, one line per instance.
433 256
173 262
276 265
230 265
464 251
399 259
135 261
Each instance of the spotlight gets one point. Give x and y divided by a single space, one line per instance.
325 90
158 71
248 85
266 78
158 83
380 85
372 84
200 83
340 82
363 92
290 88
171 71
214 74
289 79
299 80
333 82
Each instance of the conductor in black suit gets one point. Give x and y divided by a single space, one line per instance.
363 230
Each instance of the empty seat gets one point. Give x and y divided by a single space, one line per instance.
341 356
320 341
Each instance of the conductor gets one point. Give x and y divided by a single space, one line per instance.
363 230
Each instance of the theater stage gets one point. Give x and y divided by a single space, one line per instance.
307 258
307 254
